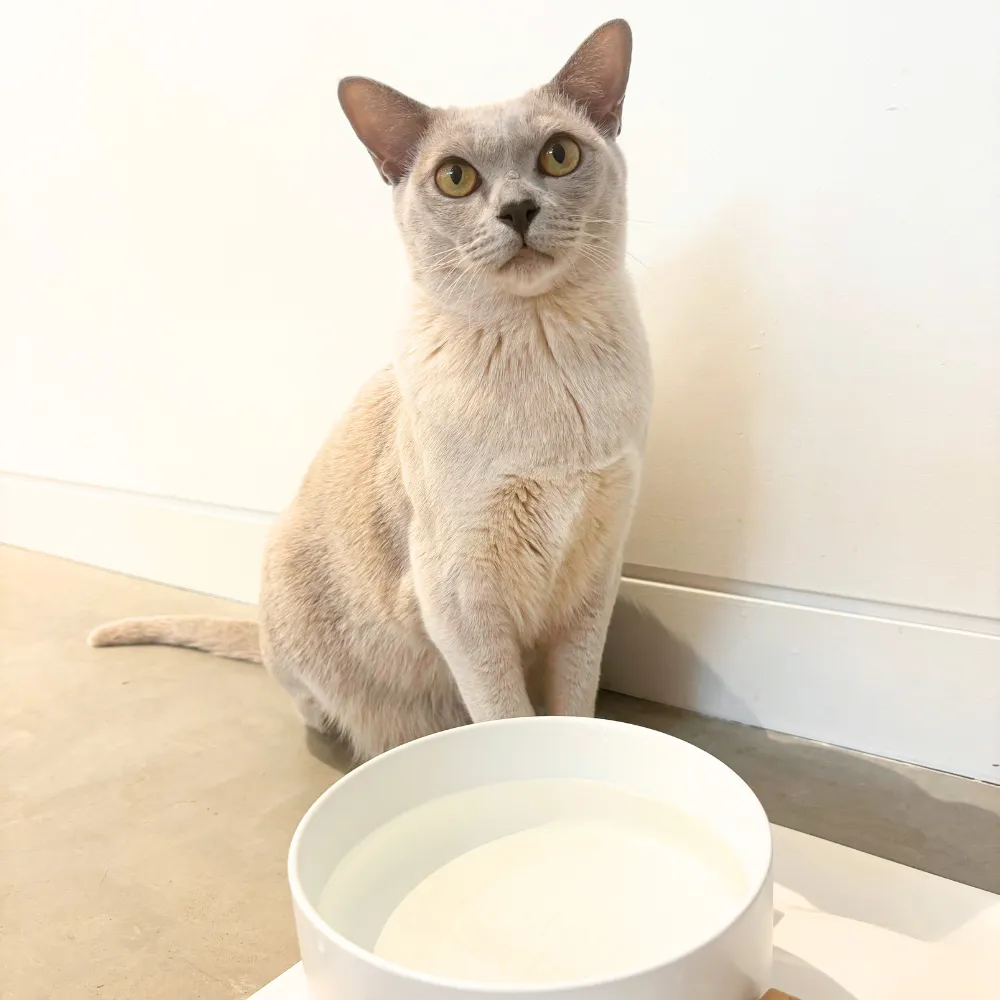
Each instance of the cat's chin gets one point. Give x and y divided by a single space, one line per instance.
529 272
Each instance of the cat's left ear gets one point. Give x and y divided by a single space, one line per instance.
597 73
389 123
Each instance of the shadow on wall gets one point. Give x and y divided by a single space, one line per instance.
707 325
685 678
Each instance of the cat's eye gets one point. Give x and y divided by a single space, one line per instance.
559 156
456 179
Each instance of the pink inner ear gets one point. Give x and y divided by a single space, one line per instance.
597 74
389 123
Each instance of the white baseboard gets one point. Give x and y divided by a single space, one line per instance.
211 549
919 693
870 681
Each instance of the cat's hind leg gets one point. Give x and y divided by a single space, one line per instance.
314 714
376 724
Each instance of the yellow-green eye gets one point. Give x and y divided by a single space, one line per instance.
456 178
560 156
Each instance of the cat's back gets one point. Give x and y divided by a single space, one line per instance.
347 526
361 447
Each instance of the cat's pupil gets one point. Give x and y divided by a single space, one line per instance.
456 174
558 152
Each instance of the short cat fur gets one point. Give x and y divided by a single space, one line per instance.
454 551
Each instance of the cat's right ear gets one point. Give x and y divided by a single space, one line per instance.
388 123
597 73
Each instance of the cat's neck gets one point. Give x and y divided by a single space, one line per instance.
593 301
520 378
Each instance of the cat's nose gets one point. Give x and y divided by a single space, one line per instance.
518 215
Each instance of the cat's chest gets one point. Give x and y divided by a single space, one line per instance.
548 539
535 401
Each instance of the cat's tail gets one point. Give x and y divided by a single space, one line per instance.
235 638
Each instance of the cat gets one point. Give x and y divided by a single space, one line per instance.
455 549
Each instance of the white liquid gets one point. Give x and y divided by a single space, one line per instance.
535 882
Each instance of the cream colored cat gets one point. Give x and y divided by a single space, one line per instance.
455 550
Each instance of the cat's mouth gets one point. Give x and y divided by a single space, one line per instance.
527 257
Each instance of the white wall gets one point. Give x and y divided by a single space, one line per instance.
198 267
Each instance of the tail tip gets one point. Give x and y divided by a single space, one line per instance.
100 636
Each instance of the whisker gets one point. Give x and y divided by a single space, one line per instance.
628 253
613 222
595 256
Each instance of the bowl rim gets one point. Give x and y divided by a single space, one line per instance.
487 989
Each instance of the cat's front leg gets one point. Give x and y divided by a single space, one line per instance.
472 630
573 663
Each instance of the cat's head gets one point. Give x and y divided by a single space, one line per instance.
510 198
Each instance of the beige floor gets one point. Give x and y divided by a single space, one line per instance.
147 797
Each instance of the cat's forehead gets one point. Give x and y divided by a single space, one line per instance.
495 132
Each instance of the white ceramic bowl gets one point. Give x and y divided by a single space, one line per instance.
733 962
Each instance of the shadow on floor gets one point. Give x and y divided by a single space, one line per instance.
936 822
330 749
806 980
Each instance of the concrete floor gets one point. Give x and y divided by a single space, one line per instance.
149 796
